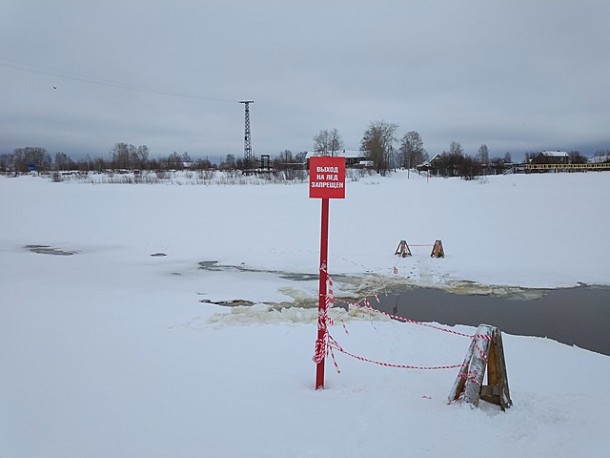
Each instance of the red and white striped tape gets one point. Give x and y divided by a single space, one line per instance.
333 344
324 320
327 343
367 306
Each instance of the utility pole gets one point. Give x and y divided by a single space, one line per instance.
247 136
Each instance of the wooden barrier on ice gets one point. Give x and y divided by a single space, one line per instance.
403 249
437 250
485 350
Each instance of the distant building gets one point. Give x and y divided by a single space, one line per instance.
429 164
550 157
354 159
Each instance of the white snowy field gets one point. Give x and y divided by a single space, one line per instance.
110 352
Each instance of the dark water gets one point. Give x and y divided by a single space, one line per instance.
575 316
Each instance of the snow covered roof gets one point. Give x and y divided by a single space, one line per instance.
428 163
555 153
343 153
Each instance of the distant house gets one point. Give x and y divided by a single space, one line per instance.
429 164
353 159
550 157
438 164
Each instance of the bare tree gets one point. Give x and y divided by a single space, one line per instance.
335 142
63 161
6 162
229 163
127 156
483 157
412 149
31 156
284 160
301 157
455 163
141 157
174 161
483 154
456 149
328 142
121 155
378 145
577 158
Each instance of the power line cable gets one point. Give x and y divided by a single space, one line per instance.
22 66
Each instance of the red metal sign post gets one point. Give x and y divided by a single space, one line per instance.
326 181
322 290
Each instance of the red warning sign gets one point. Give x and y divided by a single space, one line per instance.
327 177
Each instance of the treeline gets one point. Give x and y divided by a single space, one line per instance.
124 156
385 151
455 162
380 149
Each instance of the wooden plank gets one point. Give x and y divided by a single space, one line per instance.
490 393
460 381
505 400
496 392
472 390
492 361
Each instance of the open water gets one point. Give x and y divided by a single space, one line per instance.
575 316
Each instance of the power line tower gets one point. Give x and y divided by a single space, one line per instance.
247 135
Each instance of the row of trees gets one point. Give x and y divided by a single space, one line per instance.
379 145
455 163
22 159
122 156
129 157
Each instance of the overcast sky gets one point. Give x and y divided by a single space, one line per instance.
80 76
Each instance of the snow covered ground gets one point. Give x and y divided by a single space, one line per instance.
111 351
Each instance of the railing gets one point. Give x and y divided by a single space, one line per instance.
566 167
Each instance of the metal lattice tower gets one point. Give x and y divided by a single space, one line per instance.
247 135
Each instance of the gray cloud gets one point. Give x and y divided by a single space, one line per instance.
518 76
